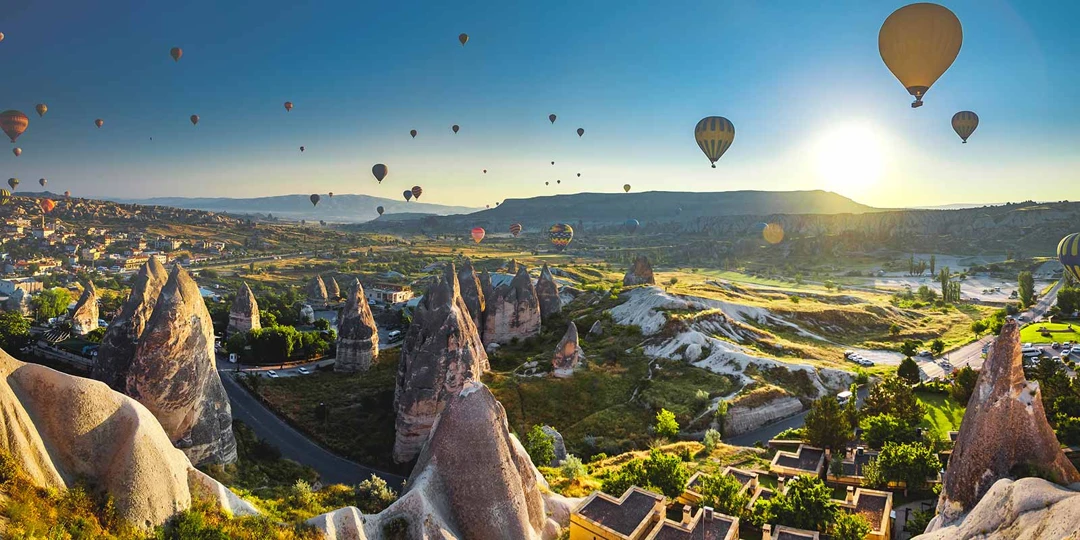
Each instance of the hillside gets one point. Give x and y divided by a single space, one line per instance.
339 208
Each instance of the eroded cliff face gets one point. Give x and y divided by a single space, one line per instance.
441 351
513 310
1027 509
84 319
174 375
358 338
547 292
640 273
472 292
117 348
244 312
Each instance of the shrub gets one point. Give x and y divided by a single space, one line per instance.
540 446
666 426
711 440
374 495
850 527
572 468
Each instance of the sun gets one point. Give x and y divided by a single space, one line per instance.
850 158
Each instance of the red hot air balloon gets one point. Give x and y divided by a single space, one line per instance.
99 122
380 171
417 191
176 53
194 119
413 133
515 229
14 123
47 205
455 128
288 106
1 36
478 234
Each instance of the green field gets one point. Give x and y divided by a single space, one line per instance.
1059 332
943 414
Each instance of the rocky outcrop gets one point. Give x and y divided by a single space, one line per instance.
472 293
244 312
307 314
568 353
174 374
547 291
513 310
759 408
512 266
441 351
1029 508
473 481
117 348
560 445
62 430
597 329
358 338
315 292
487 289
1004 429
333 292
84 319
640 273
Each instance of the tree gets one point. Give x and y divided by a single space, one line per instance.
540 446
1068 299
979 326
374 495
943 277
721 415
918 521
661 472
909 463
571 467
51 303
851 408
963 384
909 347
826 424
671 282
893 396
722 493
666 426
322 324
937 347
908 370
894 329
711 440
807 504
884 428
851 526
14 331
933 263
1026 288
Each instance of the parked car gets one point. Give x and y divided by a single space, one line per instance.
843 397
866 362
925 353
849 354
1066 351
1055 345
303 370
272 374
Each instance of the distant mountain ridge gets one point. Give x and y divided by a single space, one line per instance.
347 208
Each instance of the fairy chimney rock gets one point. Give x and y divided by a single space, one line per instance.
472 292
316 292
332 289
244 312
568 354
117 348
358 337
547 291
640 273
513 311
84 319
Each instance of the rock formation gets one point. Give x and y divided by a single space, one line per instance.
487 289
472 293
513 310
512 267
568 354
63 429
117 348
1029 508
19 302
307 314
244 312
547 291
441 351
560 444
174 374
332 289
597 329
473 481
640 273
84 319
358 338
316 292
1004 428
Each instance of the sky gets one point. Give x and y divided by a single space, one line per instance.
813 104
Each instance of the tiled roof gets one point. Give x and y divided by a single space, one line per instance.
872 507
622 517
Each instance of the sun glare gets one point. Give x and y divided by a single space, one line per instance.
849 158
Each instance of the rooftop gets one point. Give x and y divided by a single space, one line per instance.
719 527
806 458
790 533
623 515
872 505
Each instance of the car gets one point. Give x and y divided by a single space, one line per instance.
849 354
1023 318
1055 345
925 353
843 397
303 370
1066 351
271 373
866 362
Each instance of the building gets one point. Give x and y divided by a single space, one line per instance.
135 262
873 505
806 460
630 517
780 532
705 524
167 244
751 487
27 285
853 465
385 293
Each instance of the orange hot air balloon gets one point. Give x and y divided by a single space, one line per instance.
773 233
176 53
413 133
288 106
14 123
99 122
47 205
478 234
41 109
455 128
417 191
515 229
1 36
194 119
380 171
552 118
580 131
463 38
67 194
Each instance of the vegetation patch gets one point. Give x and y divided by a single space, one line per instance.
941 413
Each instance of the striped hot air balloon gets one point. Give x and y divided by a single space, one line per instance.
964 124
13 123
515 229
477 234
417 191
5 196
1068 252
561 234
47 205
714 135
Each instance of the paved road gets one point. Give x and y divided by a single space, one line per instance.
332 468
764 434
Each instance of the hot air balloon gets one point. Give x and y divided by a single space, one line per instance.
13 182
552 162
176 53
485 171
579 175
380 171
17 151
14 123
552 118
463 38
714 136
194 119
964 124
5 196
547 184
43 182
301 149
1068 252
558 181
455 128
631 225
773 233
477 234
380 210
99 122
413 133
515 229
1 36
580 131
41 109
314 199
626 188
67 194
417 191
47 205
560 235
918 43
331 194
407 194
288 106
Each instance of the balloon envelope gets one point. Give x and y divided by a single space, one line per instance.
964 124
417 191
552 118
463 38
631 225
5 196
16 151
47 205
13 182
413 133
301 149
714 135
918 43
560 235
288 106
331 194
1068 252
194 119
580 131
99 122
176 53
314 198
477 234
380 171
67 194
380 210
41 109
626 188
43 182
407 194
455 127
14 123
515 229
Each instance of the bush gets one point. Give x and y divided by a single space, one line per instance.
664 473
883 428
374 495
908 370
721 492
711 440
540 446
572 468
666 426
850 527
963 385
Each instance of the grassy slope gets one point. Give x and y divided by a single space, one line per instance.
943 414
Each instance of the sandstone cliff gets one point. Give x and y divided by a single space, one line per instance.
640 273
568 354
117 348
333 292
358 338
84 318
316 292
472 293
1027 509
244 312
441 351
513 310
174 374
547 291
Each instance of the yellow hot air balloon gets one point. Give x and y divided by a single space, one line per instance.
5 196
14 123
41 109
626 188
964 124
1068 252
176 53
918 42
714 135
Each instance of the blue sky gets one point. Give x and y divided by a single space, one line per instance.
804 86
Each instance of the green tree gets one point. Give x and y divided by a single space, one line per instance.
851 526
894 330
937 347
711 440
374 495
540 446
572 467
826 424
893 396
322 324
1026 288
722 493
908 370
1068 299
50 303
963 384
943 277
721 415
664 473
14 331
883 428
918 521
666 426
851 408
933 263
909 347
909 463
978 327
807 504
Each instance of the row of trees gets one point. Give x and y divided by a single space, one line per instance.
280 344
